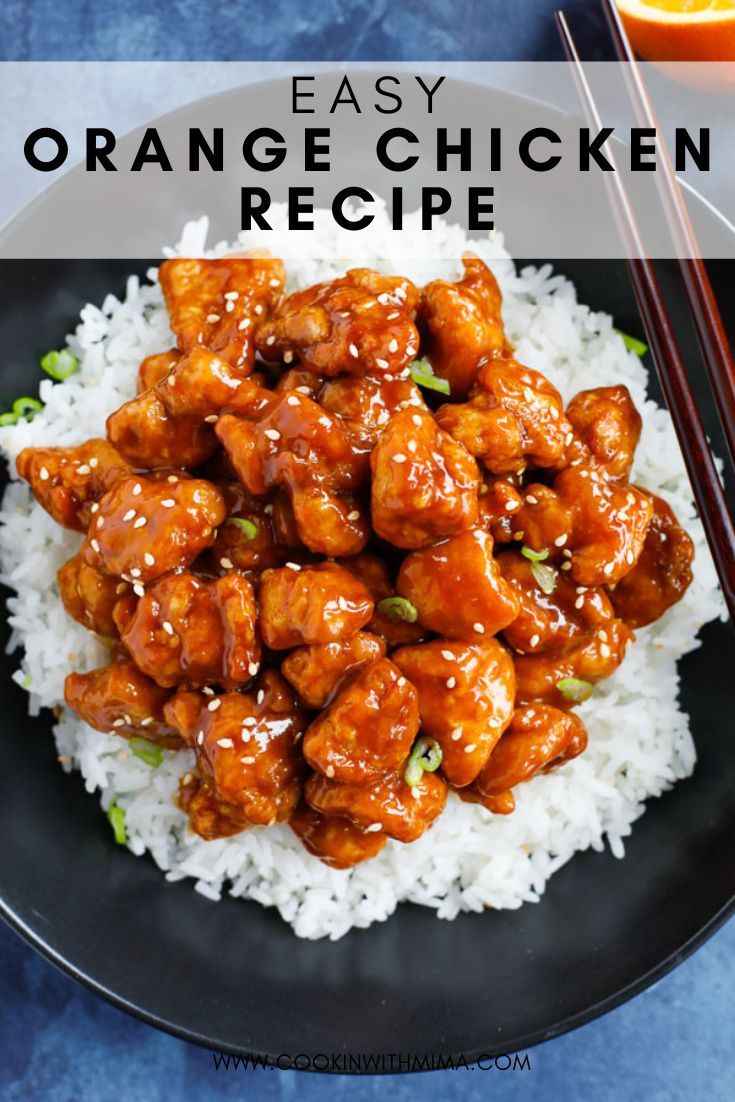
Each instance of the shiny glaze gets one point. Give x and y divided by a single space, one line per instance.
335 840
607 428
403 813
68 482
119 699
90 596
595 658
316 671
314 604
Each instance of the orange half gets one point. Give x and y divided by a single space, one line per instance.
680 30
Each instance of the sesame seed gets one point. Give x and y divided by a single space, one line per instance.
383 299
212 418
147 721
229 307
149 559
288 357
139 590
137 489
510 506
451 682
417 420
84 469
95 546
581 589
410 350
271 340
225 743
534 640
273 434
399 457
629 557
412 446
259 309
212 318
470 747
208 691
354 515
605 650
119 723
293 400
401 682
232 296
304 390
329 770
129 515
244 324
135 572
381 363
566 566
395 314
260 697
173 478
579 602
214 705
100 521
274 283
140 522
128 720
416 792
479 628
293 566
43 473
528 394
250 721
449 656
531 499
373 828
253 668
168 503
393 346
567 553
560 541
608 568
200 738
94 507
248 760
456 734
630 498
568 438
167 627
226 564
353 350
94 461
554 412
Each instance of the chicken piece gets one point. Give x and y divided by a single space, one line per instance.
457 588
373 572
171 424
367 404
499 502
299 379
424 485
466 693
513 420
246 540
335 841
209 817
155 368
368 729
607 428
317 604
246 746
187 631
360 324
550 623
219 303
308 452
503 804
316 671
538 739
461 324
595 658
89 596
68 482
120 700
146 527
600 525
662 574
386 803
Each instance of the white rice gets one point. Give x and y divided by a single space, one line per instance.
640 742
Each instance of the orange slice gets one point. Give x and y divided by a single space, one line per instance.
680 30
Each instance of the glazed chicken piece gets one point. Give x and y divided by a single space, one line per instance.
317 604
187 631
308 452
424 484
499 502
457 588
298 379
246 746
172 423
555 617
316 671
367 404
246 540
155 368
145 527
120 700
607 428
662 574
219 303
387 804
68 482
368 729
600 526
539 738
335 841
209 817
374 573
361 324
513 420
461 324
89 596
595 658
466 693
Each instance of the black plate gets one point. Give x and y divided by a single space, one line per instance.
232 975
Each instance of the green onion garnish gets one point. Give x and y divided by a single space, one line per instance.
426 757
398 608
8 419
116 815
27 681
545 577
422 374
574 689
534 556
632 343
60 365
27 407
148 752
247 526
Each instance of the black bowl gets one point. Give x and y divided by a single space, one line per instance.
232 975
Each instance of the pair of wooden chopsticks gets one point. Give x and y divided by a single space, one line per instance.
713 343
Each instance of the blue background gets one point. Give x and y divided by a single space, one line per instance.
58 1042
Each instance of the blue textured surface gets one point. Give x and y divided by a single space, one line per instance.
61 1044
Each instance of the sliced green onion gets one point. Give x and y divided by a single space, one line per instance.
534 556
632 343
148 752
116 815
545 577
27 407
8 419
27 681
574 689
398 608
247 526
422 374
60 365
426 757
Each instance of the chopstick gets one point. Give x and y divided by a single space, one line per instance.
713 342
698 458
